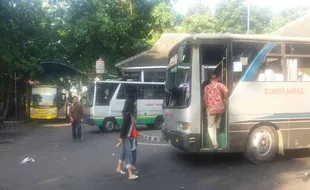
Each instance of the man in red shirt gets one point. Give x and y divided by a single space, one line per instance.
215 95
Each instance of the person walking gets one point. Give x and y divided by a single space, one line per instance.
76 114
125 137
215 95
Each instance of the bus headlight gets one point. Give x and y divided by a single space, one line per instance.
184 126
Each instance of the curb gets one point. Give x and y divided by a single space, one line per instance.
151 138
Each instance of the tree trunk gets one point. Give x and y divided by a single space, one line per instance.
130 4
8 99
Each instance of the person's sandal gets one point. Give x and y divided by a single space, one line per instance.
133 167
133 177
120 172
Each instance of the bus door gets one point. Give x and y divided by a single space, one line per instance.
213 61
61 106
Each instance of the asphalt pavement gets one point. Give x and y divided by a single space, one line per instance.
63 164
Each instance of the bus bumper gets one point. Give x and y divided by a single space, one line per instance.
183 141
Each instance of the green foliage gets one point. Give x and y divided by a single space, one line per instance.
231 17
199 23
26 36
78 32
163 21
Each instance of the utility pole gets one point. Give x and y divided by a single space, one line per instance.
248 27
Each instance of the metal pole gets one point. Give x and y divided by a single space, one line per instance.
15 97
248 28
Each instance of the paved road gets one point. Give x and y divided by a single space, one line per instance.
62 164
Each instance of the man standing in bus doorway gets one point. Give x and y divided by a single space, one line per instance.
215 95
76 114
125 137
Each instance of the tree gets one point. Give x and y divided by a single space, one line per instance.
231 16
26 40
198 9
163 20
199 23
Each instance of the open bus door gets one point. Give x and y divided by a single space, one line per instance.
61 106
213 61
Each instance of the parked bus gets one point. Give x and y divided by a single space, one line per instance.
47 102
105 101
268 80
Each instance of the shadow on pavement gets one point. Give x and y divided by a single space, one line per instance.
228 171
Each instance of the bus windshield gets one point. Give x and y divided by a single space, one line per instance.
178 79
43 97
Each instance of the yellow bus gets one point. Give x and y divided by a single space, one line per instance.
47 102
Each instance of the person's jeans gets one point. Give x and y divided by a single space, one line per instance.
126 153
76 129
134 151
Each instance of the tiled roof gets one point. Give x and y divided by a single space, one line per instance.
157 55
297 28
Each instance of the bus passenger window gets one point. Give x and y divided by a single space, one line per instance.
126 89
159 92
298 63
105 92
243 54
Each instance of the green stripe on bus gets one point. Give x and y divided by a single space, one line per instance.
142 120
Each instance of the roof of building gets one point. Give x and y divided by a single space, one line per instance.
157 55
297 28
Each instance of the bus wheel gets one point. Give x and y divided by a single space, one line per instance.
109 125
157 124
262 145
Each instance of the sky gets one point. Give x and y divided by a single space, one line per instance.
277 5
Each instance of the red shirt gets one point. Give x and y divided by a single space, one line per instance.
213 96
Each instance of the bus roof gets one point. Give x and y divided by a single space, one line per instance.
247 37
129 82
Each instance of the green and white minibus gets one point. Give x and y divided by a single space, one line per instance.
105 101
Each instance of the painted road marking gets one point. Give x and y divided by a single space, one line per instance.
151 144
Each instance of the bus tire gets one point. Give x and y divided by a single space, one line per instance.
262 145
109 125
158 123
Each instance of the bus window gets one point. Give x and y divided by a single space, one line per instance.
90 91
272 67
126 89
178 78
298 62
104 93
148 91
159 91
243 55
